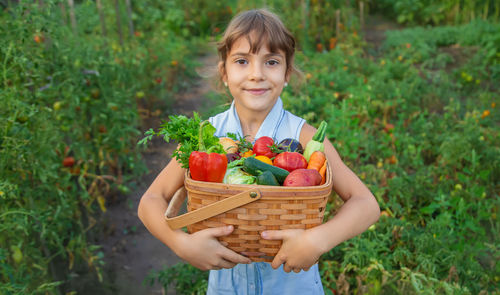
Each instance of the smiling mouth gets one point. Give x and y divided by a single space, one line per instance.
257 91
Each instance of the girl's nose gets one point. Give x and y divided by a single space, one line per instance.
256 72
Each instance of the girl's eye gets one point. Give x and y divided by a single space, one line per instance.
241 61
272 62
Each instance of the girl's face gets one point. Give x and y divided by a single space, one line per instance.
254 80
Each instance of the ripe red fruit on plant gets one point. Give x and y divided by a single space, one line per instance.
262 147
319 47
102 129
68 162
38 38
388 127
290 161
333 43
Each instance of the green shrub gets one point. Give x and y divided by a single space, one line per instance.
69 119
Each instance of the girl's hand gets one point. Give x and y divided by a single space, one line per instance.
202 249
299 250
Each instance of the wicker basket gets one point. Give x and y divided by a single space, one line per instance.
251 209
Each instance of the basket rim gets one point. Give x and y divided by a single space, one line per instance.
188 181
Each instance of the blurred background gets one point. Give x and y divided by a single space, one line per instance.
410 90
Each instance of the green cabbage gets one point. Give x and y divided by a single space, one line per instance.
237 176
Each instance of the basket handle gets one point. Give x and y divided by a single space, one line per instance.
211 210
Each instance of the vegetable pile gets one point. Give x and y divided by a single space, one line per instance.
234 160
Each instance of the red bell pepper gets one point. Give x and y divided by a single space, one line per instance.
204 165
290 161
207 166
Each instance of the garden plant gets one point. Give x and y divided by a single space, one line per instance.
416 117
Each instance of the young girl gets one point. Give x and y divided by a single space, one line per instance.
256 61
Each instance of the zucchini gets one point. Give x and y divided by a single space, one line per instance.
256 167
267 178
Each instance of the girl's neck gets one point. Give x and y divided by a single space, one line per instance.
250 121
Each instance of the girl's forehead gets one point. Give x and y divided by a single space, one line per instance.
246 44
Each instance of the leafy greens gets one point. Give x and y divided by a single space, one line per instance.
186 132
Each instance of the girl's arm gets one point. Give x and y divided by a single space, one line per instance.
201 249
360 208
359 211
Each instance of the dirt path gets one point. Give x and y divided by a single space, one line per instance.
130 251
374 31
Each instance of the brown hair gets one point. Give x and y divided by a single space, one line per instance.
267 26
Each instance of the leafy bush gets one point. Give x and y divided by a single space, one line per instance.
427 147
186 279
423 12
69 120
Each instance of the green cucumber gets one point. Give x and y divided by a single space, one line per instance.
257 167
267 178
321 132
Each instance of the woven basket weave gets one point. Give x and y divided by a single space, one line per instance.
252 209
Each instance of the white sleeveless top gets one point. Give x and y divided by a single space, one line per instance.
279 123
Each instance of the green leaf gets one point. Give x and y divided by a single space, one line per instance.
484 174
429 209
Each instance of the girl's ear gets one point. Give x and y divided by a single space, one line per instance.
222 71
287 76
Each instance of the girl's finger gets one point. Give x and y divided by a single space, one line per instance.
295 270
277 261
225 264
273 234
219 231
286 268
234 257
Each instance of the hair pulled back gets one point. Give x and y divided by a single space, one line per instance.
267 30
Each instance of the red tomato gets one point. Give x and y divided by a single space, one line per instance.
38 38
290 161
262 147
68 162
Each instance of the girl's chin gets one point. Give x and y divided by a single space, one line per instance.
258 107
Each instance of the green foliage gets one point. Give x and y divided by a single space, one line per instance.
425 12
427 146
419 125
187 279
312 23
69 121
184 18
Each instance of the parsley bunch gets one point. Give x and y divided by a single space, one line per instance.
186 132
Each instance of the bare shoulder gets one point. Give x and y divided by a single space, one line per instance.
306 134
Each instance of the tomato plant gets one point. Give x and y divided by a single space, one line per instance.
69 121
